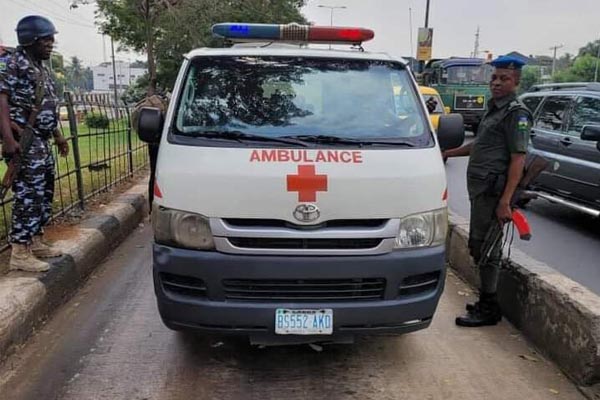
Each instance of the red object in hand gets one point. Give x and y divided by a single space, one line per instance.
522 225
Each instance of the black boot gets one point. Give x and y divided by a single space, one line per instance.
483 313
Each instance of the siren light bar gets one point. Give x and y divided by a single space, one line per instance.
292 33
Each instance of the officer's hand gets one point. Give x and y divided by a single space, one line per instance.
503 213
63 146
10 148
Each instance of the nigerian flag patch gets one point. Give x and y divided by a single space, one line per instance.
523 124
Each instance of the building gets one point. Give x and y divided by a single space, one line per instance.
127 74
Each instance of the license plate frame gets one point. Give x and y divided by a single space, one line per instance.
304 322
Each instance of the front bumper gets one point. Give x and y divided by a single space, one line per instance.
210 310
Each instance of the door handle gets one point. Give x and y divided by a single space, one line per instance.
532 133
566 141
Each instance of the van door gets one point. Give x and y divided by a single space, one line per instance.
547 132
581 158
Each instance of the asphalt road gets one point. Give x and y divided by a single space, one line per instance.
109 343
566 240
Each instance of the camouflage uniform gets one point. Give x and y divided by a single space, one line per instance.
504 131
33 188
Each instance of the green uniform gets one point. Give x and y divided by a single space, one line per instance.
504 130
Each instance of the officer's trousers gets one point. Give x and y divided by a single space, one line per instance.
33 190
483 215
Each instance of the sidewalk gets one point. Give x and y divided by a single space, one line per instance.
27 299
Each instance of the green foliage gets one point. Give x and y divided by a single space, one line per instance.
97 121
591 49
167 29
136 91
583 70
530 76
77 78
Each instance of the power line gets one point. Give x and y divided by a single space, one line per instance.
56 16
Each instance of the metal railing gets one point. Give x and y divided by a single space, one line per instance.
103 152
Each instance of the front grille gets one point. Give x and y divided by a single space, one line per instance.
309 244
278 223
419 284
183 285
305 290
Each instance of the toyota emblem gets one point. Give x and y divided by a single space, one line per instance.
307 213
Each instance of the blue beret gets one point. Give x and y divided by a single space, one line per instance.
508 62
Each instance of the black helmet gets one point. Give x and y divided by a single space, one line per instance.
32 28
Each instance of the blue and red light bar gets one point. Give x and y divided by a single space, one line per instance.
292 33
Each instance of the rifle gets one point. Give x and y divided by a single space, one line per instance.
25 137
493 236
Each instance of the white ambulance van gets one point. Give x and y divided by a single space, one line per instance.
300 194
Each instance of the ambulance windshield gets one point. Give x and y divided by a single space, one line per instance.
285 96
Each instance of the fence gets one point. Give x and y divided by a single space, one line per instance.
103 152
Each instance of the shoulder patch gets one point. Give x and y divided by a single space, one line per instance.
522 124
3 64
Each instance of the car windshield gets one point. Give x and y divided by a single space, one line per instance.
298 97
480 75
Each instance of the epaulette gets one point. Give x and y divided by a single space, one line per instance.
518 105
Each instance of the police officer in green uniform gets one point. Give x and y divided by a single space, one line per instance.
497 160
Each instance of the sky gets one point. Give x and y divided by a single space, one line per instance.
527 26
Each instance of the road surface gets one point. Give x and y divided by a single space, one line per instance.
109 343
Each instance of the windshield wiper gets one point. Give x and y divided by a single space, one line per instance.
243 136
328 139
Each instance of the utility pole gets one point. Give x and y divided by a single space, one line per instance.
476 48
75 4
422 63
114 67
412 49
597 60
555 48
331 8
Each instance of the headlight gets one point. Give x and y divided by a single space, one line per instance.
423 230
181 229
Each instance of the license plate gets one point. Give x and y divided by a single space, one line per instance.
469 102
303 322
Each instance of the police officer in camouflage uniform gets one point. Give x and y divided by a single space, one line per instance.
21 72
497 160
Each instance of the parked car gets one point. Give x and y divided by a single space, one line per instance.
566 131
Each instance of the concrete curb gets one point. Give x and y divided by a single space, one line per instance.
560 316
26 299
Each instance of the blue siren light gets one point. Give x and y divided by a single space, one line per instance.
292 33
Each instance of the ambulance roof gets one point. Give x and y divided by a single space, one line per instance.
290 50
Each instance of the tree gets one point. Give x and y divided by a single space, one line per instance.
136 24
590 49
167 29
530 76
583 70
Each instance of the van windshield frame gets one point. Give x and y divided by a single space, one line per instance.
289 97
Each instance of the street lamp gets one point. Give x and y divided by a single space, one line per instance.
331 9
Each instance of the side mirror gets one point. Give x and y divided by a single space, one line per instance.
591 133
447 110
150 125
451 131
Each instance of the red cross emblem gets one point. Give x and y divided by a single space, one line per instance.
307 183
